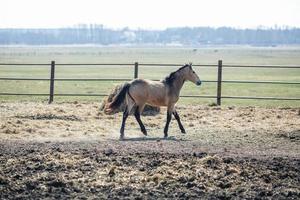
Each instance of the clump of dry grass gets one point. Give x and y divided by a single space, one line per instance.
211 161
10 131
44 116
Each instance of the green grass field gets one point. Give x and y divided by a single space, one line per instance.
208 55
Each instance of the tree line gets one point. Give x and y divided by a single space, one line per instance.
97 34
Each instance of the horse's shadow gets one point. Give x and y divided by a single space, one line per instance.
171 138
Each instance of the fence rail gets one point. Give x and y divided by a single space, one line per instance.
136 65
128 79
156 64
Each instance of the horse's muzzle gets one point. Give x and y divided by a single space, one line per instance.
198 83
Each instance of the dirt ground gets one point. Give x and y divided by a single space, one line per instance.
72 150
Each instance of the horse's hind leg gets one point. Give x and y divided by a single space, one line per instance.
178 120
125 115
137 115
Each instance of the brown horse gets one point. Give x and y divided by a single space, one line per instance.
139 92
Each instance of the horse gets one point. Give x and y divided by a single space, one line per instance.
165 92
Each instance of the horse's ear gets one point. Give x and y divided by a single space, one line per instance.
190 64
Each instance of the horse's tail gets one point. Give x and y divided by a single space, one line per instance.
118 99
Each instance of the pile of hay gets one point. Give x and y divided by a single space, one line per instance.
148 110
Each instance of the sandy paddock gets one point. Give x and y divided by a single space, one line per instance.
72 150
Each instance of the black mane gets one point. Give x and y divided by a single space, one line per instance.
170 79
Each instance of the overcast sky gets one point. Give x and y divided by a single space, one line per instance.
153 14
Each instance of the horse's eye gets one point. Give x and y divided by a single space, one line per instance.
194 72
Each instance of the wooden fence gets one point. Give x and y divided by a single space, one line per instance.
136 65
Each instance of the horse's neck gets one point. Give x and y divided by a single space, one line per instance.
177 84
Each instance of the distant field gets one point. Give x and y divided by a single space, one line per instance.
94 54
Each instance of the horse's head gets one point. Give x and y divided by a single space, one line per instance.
191 75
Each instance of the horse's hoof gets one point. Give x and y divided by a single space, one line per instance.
183 131
165 136
121 137
145 132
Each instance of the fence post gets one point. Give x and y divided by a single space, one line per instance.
52 82
136 69
219 87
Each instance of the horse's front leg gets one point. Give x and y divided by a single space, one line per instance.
169 117
179 122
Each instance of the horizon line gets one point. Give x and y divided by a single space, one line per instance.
89 25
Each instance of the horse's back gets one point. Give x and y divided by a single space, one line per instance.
139 85
148 91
